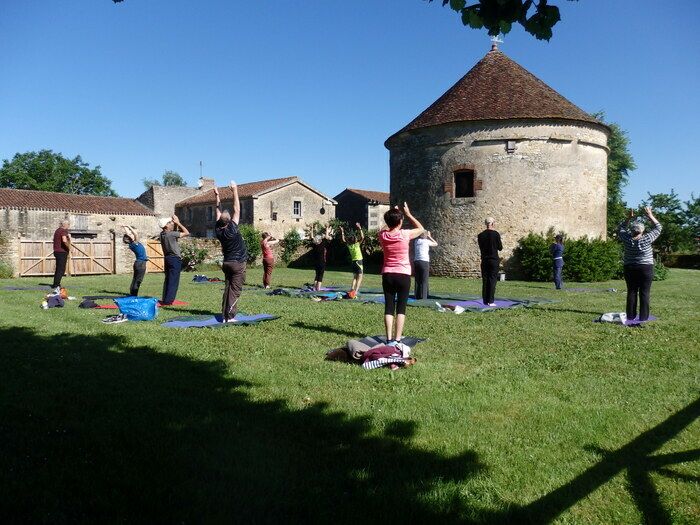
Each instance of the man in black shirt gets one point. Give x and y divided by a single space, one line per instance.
235 253
489 245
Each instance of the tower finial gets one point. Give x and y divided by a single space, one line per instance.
495 41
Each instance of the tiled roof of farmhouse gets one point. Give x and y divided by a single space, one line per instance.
244 190
381 197
497 88
52 201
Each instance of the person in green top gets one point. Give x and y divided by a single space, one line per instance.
355 248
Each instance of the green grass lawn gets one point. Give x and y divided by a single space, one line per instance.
526 415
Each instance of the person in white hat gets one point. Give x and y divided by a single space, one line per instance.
169 236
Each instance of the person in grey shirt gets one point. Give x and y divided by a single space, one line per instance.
169 236
638 262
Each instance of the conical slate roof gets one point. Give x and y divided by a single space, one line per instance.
497 88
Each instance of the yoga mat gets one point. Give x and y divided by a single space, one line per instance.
636 321
373 340
174 303
214 321
630 322
590 290
114 306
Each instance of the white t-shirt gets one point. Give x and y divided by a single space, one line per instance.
421 249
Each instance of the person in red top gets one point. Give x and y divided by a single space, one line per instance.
396 269
266 244
61 247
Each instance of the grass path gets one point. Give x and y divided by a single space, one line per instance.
534 414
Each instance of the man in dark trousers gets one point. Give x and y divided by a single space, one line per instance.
61 247
173 259
234 251
489 245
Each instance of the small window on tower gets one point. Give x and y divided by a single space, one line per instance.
464 183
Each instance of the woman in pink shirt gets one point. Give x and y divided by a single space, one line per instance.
396 270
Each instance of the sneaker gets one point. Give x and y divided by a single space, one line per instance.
491 305
113 319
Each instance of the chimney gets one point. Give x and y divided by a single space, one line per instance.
206 184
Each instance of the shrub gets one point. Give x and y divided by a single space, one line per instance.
682 260
6 270
585 260
660 271
252 238
589 260
192 256
290 244
531 258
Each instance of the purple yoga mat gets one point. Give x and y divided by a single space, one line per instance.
477 303
636 321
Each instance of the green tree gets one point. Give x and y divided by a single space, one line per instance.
498 16
620 164
170 178
692 216
677 234
48 171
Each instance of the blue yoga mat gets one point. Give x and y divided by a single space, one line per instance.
214 321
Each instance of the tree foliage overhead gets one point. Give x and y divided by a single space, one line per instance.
48 171
170 178
498 16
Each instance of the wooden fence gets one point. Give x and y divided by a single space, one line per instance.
86 258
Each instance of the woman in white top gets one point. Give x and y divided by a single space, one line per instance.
421 263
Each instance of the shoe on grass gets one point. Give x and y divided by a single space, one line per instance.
113 319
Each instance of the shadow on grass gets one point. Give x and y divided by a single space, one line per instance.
93 429
635 459
325 329
568 310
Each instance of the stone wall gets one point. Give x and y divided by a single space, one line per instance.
40 225
281 202
555 175
375 215
162 199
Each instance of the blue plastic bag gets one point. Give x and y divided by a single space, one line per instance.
138 308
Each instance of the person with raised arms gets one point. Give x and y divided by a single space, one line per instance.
638 262
489 245
135 245
396 269
320 244
268 257
235 254
169 237
421 263
354 243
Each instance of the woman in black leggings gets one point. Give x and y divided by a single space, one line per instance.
396 270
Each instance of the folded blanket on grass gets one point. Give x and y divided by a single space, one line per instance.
355 349
215 321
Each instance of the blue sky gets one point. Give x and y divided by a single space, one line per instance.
312 88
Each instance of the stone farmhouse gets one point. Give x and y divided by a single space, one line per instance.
362 206
28 219
274 205
500 143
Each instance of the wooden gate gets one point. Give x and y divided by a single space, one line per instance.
156 261
86 258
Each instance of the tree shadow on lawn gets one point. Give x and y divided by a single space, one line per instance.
93 429
325 329
636 459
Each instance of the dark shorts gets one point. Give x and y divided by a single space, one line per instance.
397 287
358 267
320 269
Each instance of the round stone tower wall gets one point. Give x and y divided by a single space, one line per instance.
528 176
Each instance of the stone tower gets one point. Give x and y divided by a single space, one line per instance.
500 143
